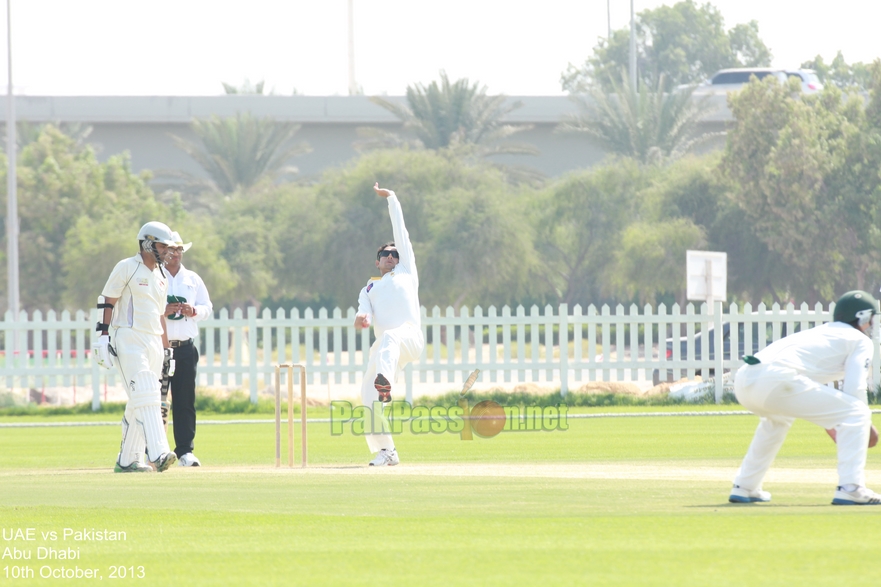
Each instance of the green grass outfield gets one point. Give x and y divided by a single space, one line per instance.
610 501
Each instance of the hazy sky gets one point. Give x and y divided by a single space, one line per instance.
187 47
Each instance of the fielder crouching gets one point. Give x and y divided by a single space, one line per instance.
131 334
787 380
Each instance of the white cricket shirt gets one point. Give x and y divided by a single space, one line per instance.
188 287
140 293
393 299
826 353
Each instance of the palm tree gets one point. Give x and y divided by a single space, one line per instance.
245 88
447 115
649 125
239 152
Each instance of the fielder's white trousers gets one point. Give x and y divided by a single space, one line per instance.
779 395
139 357
389 354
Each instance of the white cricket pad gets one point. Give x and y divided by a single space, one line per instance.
145 391
132 441
154 431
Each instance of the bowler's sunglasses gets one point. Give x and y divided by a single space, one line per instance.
386 253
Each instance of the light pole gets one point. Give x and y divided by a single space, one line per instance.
608 20
353 87
11 183
632 47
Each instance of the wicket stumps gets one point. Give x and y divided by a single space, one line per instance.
291 368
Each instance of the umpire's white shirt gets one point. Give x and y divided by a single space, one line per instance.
189 286
826 353
393 299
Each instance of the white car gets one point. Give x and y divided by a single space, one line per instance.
810 83
726 80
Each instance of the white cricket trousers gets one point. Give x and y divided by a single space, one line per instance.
779 395
139 356
389 354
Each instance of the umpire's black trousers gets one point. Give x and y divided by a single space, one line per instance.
183 397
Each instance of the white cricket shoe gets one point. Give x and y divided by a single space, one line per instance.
386 458
741 495
135 467
164 462
190 460
860 496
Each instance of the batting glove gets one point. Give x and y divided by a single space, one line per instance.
103 351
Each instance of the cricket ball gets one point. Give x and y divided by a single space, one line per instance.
487 419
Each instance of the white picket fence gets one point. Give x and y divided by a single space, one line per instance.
561 346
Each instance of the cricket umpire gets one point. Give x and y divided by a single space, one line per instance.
188 303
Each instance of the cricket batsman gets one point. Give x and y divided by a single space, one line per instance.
132 335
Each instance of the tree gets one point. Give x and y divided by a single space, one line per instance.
28 132
239 152
273 239
747 48
60 183
480 248
79 217
856 181
696 189
448 115
469 232
839 73
650 259
245 88
685 43
252 253
652 126
248 88
578 223
88 260
806 176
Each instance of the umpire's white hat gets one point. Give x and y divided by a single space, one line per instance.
179 242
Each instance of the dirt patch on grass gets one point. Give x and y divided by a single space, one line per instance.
603 387
560 471
630 471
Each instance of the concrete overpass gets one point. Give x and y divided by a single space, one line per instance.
142 125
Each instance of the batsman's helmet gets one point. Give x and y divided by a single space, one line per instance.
152 233
855 305
156 232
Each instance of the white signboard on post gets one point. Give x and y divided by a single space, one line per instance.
707 281
707 276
